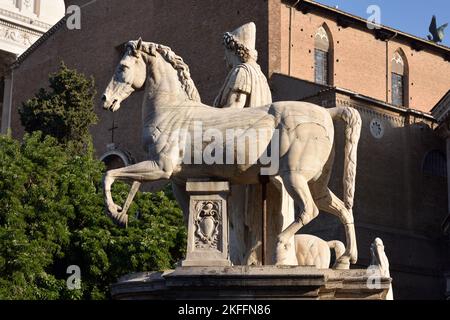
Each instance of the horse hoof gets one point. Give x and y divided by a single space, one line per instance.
282 254
123 221
342 264
115 212
281 261
354 256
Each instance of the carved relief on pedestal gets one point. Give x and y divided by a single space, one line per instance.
207 224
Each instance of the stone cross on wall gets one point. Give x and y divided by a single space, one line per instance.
112 129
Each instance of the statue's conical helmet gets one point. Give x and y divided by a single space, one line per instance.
246 35
242 42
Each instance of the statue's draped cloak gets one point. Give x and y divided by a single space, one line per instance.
246 78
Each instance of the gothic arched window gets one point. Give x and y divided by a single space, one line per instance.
323 56
399 78
435 164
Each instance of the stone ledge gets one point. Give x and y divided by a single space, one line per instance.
198 186
249 283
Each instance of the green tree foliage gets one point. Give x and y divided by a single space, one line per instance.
65 111
52 216
52 213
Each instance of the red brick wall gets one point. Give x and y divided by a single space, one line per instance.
360 60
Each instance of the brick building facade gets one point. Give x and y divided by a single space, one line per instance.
309 52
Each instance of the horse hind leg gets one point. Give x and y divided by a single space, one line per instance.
308 152
329 202
296 185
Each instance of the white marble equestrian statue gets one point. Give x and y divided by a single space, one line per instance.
302 132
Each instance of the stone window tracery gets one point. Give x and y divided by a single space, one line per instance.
399 80
323 57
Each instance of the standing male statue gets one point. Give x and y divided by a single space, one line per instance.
246 87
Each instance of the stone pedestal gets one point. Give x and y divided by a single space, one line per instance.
251 283
207 224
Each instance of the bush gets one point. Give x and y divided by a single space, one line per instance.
52 213
65 111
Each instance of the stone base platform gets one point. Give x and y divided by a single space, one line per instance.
251 283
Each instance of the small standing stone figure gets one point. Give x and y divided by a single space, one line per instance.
246 86
381 262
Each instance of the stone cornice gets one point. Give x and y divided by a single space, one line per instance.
25 21
16 36
398 119
20 28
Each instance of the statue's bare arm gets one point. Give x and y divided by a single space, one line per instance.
236 100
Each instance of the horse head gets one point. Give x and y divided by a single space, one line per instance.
168 74
130 75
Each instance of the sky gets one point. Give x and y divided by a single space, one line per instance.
411 16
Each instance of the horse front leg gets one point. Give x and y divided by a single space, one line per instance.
142 172
112 210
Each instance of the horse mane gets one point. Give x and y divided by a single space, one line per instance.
184 75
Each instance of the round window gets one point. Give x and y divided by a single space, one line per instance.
377 128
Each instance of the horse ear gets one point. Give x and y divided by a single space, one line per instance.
139 44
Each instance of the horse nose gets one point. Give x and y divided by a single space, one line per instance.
104 98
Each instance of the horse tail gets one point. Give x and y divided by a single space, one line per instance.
338 247
353 124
